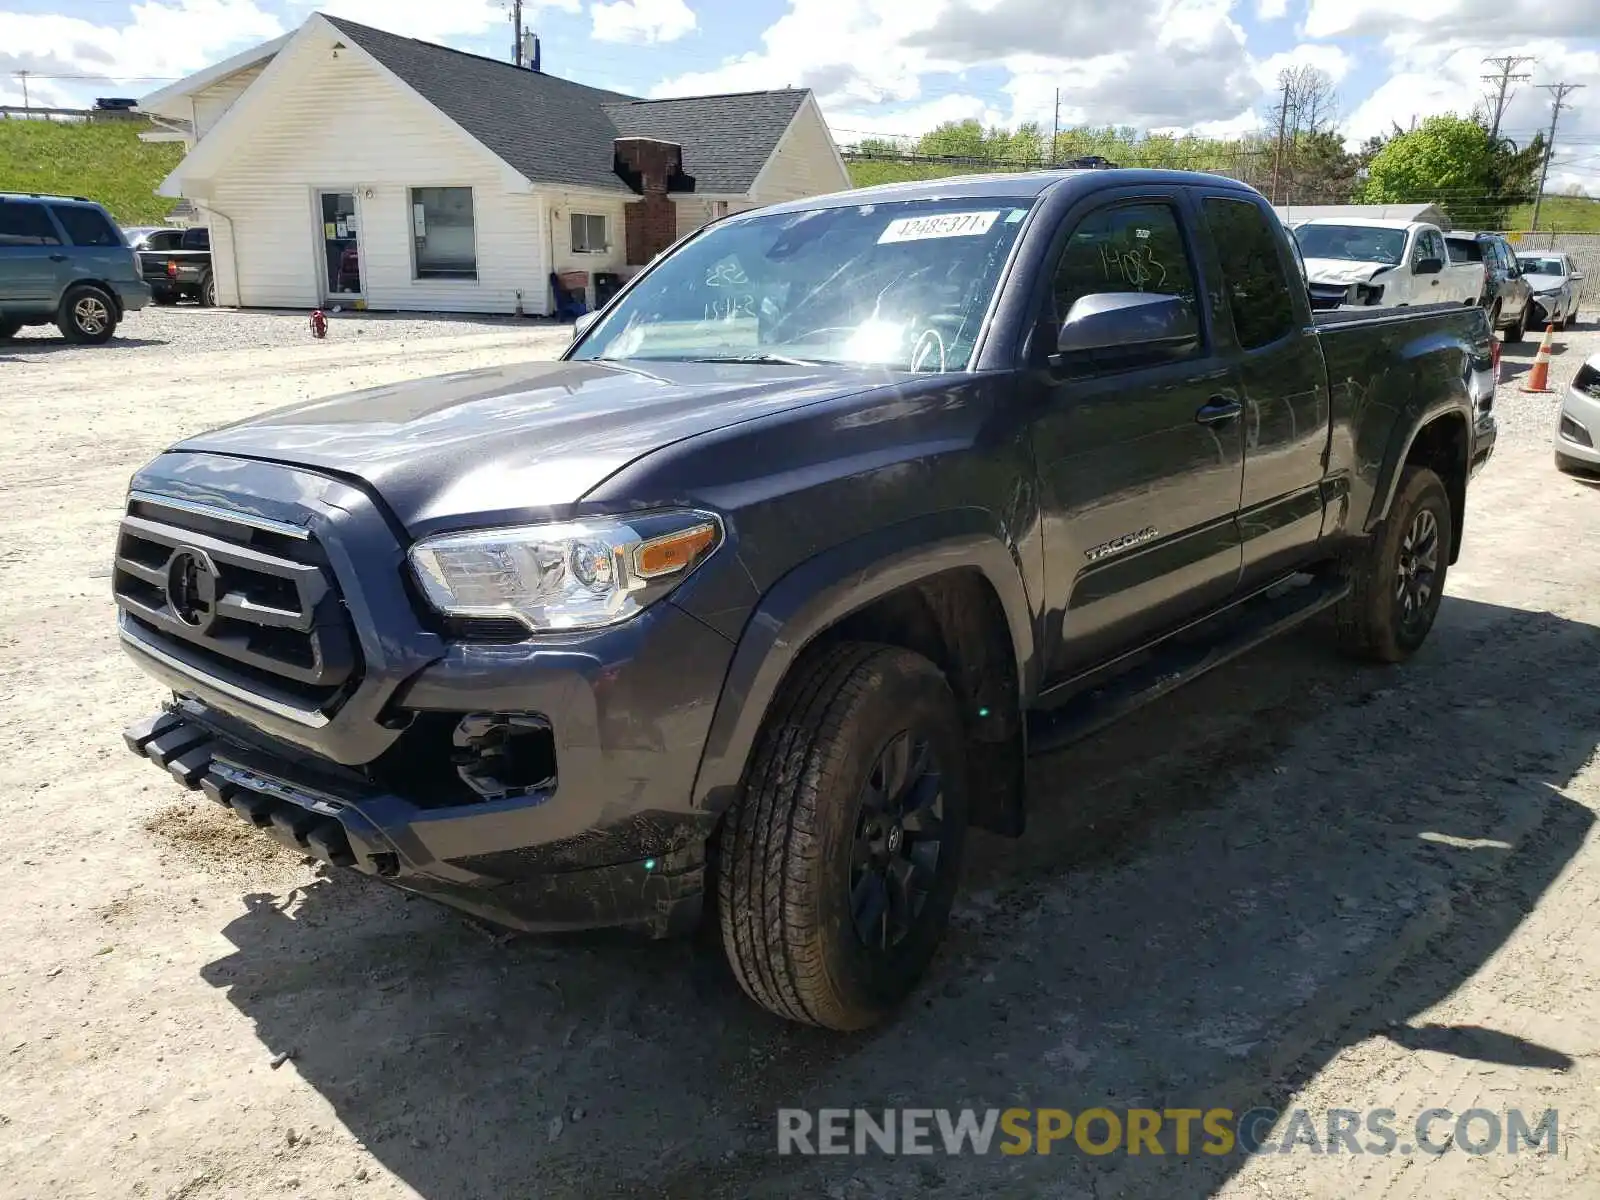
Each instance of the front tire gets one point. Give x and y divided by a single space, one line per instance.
837 867
1397 575
1518 329
88 315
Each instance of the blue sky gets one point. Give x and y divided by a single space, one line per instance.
900 66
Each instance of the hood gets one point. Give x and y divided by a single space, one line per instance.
526 436
1544 283
1342 270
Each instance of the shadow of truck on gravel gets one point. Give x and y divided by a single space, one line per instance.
1214 897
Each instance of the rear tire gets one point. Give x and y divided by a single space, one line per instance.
837 867
1518 329
1397 575
208 291
88 315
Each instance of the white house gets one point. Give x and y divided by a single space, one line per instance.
343 164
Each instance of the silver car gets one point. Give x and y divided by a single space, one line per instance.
1578 430
1557 287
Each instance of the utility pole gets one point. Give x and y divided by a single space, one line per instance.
1559 91
1055 128
23 75
1283 121
1507 66
516 24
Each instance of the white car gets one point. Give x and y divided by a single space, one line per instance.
1356 260
1578 428
1557 287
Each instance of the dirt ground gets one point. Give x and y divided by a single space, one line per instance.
1295 883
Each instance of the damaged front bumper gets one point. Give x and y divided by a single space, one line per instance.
384 835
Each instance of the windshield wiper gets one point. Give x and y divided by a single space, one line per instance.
780 359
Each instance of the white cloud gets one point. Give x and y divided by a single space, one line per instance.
1271 10
642 21
1141 62
1332 59
162 40
433 20
1449 18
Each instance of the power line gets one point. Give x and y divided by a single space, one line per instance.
1507 66
1559 92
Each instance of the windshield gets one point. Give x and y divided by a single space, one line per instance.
1357 243
905 285
1541 266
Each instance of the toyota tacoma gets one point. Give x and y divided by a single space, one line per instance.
760 598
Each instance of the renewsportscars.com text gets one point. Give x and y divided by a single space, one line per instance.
1175 1131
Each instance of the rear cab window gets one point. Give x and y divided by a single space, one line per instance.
196 239
1254 280
25 223
1464 250
86 226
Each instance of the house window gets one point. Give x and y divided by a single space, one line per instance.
442 233
589 234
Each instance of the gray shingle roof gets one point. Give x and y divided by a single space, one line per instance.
552 130
726 140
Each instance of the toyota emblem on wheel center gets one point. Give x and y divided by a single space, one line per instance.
192 587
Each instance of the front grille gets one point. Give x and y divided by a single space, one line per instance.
1328 295
235 597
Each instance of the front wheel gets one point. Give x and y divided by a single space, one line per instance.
1397 575
1518 329
837 867
88 315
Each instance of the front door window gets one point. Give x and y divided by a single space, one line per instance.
341 244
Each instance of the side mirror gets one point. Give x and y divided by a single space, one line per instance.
582 324
1576 277
1428 266
1127 321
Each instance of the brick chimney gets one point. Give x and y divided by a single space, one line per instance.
653 169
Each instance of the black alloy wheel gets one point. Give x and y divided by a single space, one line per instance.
897 841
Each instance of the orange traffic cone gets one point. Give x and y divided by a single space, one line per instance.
1539 377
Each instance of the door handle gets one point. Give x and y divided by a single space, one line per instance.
58 258
1217 410
1435 283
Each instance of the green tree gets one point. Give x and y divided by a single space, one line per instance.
1450 161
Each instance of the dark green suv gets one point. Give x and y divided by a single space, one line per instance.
63 261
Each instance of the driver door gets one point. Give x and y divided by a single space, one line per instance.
1140 459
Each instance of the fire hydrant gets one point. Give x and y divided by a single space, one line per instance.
319 324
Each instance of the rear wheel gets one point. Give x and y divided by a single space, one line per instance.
1518 328
837 867
88 315
208 291
1397 576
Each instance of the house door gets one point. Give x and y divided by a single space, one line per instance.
341 246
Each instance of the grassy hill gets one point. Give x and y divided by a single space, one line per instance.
103 160
1565 214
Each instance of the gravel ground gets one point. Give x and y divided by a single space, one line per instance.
187 329
1294 882
1532 415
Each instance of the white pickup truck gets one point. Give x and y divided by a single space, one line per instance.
1366 261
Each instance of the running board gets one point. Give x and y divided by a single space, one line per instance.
1184 656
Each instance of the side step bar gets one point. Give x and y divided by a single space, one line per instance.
1182 657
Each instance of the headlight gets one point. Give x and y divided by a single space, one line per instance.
580 575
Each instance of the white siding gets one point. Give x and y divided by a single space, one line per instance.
615 256
692 214
341 124
210 103
805 163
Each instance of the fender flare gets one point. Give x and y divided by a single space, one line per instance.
830 586
1405 436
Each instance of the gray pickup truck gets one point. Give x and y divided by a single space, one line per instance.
763 595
